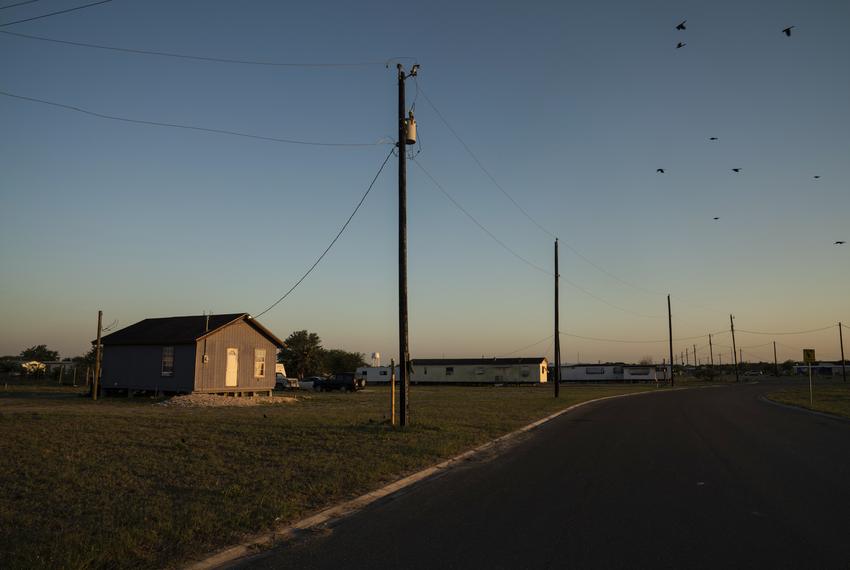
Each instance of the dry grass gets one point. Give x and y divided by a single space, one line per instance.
124 483
830 398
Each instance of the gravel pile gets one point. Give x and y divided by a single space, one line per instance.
213 401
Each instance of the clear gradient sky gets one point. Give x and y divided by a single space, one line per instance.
572 106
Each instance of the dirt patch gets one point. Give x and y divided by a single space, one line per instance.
214 401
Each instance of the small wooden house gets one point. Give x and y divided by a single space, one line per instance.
219 354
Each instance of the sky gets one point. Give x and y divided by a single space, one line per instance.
571 107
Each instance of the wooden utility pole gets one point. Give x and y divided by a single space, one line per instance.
392 392
403 350
687 356
557 329
670 337
711 351
696 362
843 362
732 325
775 361
97 352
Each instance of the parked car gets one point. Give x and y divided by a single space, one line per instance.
308 382
346 381
281 382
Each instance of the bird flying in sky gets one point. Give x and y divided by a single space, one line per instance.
716 218
713 138
681 25
680 45
736 170
840 242
787 31
816 176
659 171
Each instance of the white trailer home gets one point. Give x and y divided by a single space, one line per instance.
375 374
533 370
616 372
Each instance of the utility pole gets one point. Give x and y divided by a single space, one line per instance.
392 392
557 330
775 362
97 353
843 362
687 356
711 351
670 337
404 350
732 325
696 362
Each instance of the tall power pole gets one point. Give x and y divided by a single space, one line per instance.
670 337
775 361
687 356
711 351
843 362
403 345
97 356
734 350
695 355
557 329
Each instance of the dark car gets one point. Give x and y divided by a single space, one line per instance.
347 381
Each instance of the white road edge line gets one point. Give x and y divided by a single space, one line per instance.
250 546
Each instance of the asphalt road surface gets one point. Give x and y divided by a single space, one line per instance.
708 478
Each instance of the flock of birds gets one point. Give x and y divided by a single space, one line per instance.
681 26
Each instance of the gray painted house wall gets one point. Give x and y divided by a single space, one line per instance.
210 377
139 367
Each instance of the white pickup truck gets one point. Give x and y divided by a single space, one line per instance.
281 382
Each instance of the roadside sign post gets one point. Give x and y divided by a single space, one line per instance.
809 358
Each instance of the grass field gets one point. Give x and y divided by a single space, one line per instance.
126 483
830 398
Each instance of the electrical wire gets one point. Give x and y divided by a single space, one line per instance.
327 249
193 57
186 127
75 8
518 206
785 333
527 347
625 341
520 257
17 4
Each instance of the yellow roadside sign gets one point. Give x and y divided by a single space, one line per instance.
809 355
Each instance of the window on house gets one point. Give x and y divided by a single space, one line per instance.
479 370
382 373
167 361
259 363
524 371
450 370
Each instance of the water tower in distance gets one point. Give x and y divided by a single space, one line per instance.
376 359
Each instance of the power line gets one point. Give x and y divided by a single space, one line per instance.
480 165
17 4
520 257
192 57
185 127
75 8
327 249
630 341
479 224
529 346
786 333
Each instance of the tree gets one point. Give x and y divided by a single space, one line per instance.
302 354
645 361
338 360
39 353
88 359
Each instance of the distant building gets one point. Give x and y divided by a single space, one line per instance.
465 371
617 372
224 354
821 368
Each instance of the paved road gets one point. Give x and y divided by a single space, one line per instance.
711 478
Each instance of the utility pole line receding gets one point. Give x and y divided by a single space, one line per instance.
734 349
670 337
97 352
403 356
696 362
557 329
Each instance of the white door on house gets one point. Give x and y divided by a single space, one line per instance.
230 375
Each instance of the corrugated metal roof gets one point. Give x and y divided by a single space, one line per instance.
180 330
